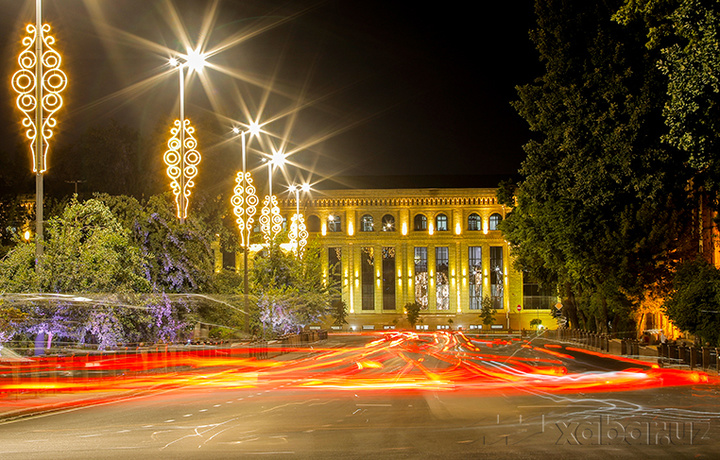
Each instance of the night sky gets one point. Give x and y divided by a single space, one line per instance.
351 87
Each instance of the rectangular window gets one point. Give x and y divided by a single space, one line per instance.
421 277
536 297
367 263
496 276
442 280
388 274
335 270
475 278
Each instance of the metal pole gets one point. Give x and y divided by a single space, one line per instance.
246 237
39 165
297 222
183 211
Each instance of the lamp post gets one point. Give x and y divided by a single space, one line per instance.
270 219
39 83
245 203
298 232
182 156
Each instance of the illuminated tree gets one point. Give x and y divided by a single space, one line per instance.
694 303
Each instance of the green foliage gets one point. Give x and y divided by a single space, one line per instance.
338 312
685 33
694 304
487 312
182 259
603 202
227 282
291 291
412 311
13 217
86 250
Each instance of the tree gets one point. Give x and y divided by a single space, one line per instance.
685 32
180 258
291 291
13 216
603 203
487 312
86 250
694 302
412 311
338 312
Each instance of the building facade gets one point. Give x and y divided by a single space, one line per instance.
440 248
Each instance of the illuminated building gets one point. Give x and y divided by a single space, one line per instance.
441 248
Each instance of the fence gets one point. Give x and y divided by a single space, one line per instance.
581 337
690 355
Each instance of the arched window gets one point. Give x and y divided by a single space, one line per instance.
334 223
388 223
495 220
420 222
313 223
366 223
474 222
441 223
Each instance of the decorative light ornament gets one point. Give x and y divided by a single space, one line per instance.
182 163
244 203
270 219
298 233
52 81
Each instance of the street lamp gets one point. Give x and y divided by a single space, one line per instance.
270 218
298 232
245 203
39 83
182 156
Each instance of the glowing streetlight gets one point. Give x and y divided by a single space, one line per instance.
270 218
245 203
298 232
182 156
39 83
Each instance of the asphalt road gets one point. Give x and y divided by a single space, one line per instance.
401 397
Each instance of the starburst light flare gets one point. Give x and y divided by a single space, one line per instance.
182 163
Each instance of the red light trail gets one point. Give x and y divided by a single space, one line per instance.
397 361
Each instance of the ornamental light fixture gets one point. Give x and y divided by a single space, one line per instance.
270 218
298 233
182 157
39 83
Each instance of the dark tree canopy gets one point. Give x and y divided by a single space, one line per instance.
602 204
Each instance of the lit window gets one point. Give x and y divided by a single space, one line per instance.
420 223
388 223
495 220
366 223
334 223
441 223
474 222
